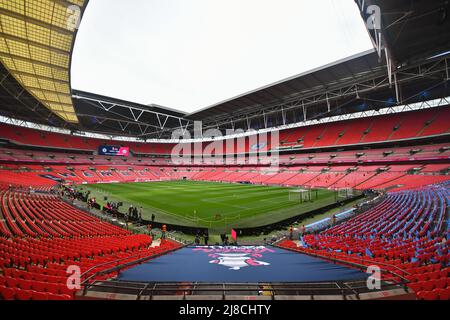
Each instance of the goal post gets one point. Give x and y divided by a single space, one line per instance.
344 193
300 195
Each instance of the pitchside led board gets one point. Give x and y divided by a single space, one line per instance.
113 151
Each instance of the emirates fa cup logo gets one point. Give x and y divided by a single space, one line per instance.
236 261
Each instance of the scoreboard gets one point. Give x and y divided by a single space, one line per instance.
113 151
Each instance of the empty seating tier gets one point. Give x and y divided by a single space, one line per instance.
41 236
406 233
389 127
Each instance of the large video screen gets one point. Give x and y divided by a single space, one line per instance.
113 151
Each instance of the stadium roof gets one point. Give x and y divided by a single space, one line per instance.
348 69
36 41
410 30
359 83
102 114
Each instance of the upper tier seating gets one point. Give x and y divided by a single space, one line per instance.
406 125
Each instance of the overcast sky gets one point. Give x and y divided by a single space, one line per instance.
190 54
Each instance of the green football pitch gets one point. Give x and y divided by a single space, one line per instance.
210 204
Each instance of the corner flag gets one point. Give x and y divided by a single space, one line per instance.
234 235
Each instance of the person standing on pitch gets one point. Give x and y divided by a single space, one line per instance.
303 232
130 211
197 239
333 220
163 232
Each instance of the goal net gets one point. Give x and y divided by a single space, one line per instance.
345 193
300 195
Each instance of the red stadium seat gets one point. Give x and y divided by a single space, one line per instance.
7 293
59 297
416 287
440 284
444 294
39 286
11 282
39 295
427 295
25 284
53 288
24 294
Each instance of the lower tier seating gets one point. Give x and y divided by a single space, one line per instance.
41 236
406 234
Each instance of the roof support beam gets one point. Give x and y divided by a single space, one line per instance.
446 69
283 115
436 69
161 124
136 117
134 109
304 111
120 117
33 109
107 108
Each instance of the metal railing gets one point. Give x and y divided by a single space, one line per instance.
342 289
354 264
117 268
336 288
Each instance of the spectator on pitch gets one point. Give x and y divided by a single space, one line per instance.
153 218
206 239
